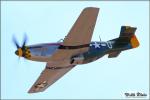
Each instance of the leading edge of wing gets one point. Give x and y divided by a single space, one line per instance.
49 76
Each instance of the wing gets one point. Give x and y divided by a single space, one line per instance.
82 30
48 77
78 39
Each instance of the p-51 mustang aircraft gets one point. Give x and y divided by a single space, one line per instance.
75 49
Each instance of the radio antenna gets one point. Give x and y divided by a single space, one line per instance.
100 38
60 40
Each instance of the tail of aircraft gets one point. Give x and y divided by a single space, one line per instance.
126 40
127 36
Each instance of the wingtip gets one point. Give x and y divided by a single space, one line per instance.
33 90
96 8
30 91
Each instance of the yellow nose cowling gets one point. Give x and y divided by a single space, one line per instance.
27 53
23 52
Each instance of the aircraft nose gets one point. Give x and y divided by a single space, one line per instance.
23 52
17 52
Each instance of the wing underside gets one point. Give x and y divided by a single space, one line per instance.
48 76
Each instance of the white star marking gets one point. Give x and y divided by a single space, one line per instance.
96 45
41 85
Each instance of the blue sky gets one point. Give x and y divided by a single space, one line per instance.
46 22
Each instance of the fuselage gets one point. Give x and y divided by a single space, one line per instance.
43 52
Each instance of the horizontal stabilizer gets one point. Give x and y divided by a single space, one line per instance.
114 54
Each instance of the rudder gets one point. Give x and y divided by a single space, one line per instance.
127 35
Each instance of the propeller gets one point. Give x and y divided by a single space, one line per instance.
20 48
17 43
24 40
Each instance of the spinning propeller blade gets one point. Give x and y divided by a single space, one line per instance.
17 43
24 40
